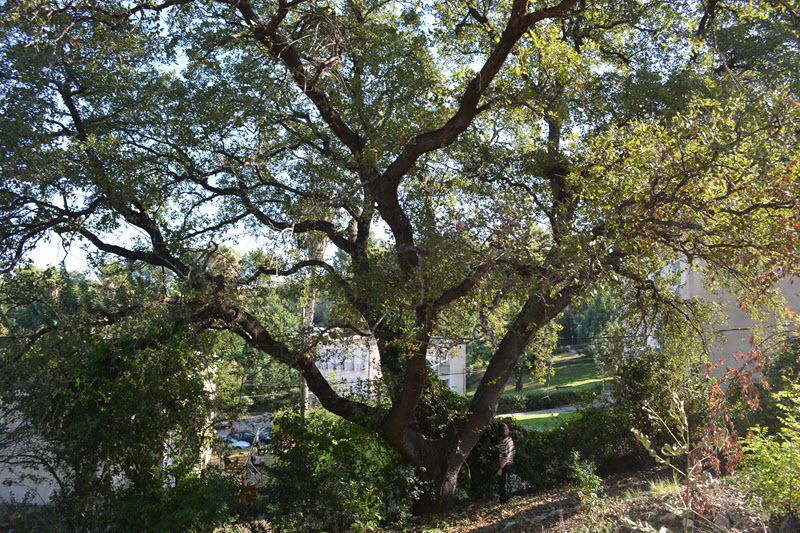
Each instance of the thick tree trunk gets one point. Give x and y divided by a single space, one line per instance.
443 496
484 404
438 460
439 467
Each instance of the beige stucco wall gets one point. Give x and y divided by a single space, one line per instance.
735 336
451 364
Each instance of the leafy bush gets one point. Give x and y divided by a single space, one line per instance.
781 372
195 504
651 377
176 501
478 477
331 475
511 404
590 485
601 435
536 401
439 408
478 355
774 460
544 459
94 404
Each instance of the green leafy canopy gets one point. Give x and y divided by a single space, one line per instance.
511 155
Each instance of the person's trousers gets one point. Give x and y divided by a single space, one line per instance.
502 484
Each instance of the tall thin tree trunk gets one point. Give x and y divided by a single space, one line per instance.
308 323
315 245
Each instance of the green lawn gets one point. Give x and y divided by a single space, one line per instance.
572 371
545 421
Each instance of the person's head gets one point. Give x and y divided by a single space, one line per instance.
503 430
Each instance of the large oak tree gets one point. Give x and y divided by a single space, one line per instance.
507 151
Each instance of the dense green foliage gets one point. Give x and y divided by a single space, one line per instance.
513 157
331 475
545 458
479 477
653 377
594 321
782 373
117 409
601 435
536 401
773 460
656 350
590 485
193 503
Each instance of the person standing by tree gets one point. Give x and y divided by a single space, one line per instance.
506 460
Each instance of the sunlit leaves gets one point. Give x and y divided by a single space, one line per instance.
601 143
773 459
701 174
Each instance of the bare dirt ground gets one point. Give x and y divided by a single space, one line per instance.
627 495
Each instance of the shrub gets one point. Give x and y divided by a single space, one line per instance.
781 371
544 459
478 477
601 435
535 401
511 404
773 461
331 475
439 409
651 377
590 485
195 504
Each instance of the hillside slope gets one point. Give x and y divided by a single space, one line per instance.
644 495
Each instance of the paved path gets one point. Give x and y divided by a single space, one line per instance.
602 399
552 410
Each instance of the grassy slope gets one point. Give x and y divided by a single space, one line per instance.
571 371
545 421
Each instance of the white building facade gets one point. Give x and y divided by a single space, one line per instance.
355 365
